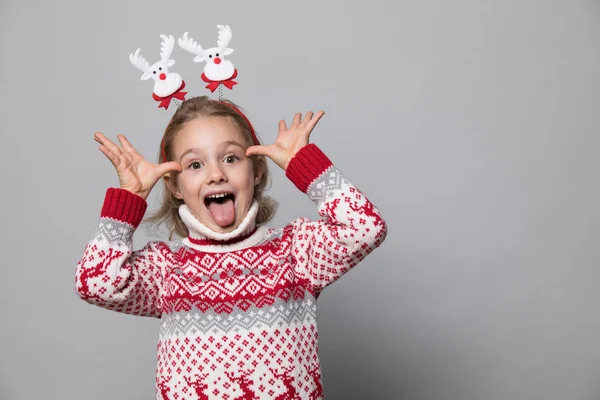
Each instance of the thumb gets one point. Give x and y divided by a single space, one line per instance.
259 151
165 168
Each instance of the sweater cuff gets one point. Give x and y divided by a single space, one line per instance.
306 166
124 206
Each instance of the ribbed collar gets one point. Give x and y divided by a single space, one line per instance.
201 235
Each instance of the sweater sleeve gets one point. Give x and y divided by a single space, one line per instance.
110 274
351 227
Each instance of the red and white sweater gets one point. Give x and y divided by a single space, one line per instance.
238 310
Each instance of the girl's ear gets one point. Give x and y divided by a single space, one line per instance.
171 186
258 177
259 172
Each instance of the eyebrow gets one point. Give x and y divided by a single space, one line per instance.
232 143
223 145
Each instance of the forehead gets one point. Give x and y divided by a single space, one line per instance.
207 133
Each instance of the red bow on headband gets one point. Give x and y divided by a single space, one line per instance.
213 85
166 101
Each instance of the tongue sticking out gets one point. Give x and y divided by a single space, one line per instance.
223 213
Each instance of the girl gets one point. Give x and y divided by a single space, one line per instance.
237 300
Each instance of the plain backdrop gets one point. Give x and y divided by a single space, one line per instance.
471 124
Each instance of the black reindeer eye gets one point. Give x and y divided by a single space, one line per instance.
160 68
210 56
217 54
154 72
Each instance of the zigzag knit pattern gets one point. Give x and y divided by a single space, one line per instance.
242 323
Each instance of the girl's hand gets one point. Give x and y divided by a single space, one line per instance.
288 141
136 174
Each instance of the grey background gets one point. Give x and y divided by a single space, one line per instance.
472 125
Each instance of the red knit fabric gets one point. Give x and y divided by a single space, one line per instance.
307 165
213 242
123 206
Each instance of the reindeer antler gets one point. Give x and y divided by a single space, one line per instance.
190 45
224 37
166 47
138 61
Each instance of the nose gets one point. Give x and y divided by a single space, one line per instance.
217 60
216 174
162 76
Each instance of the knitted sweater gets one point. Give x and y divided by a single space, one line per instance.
238 310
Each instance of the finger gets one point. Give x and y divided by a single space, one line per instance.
125 143
259 151
282 126
106 142
165 168
311 124
114 159
297 119
307 117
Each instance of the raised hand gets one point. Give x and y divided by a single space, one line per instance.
288 141
136 174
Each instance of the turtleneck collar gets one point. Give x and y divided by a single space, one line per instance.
201 236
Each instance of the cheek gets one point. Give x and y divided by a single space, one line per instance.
188 182
248 179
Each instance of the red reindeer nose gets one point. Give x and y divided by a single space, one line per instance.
162 76
217 60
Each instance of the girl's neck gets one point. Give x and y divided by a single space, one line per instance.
200 234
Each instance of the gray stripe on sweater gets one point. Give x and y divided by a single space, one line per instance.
327 185
116 233
196 322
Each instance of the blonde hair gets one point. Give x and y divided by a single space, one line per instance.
203 107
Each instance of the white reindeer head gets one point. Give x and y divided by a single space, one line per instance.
216 68
165 83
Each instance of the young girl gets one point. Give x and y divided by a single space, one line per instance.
237 300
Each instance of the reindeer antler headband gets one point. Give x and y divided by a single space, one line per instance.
167 85
218 71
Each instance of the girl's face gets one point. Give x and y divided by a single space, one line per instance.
217 179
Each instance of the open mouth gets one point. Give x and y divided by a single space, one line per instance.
218 198
221 207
